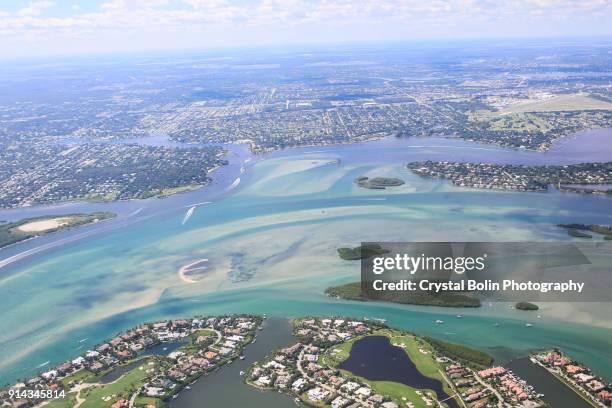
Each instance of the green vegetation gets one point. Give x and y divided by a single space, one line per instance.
361 252
559 103
80 376
68 402
352 291
12 232
144 401
124 387
378 183
578 230
465 354
578 234
398 392
526 306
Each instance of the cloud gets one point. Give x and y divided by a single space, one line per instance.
35 8
134 13
231 19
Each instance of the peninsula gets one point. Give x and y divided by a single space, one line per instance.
517 177
345 362
141 367
13 232
576 376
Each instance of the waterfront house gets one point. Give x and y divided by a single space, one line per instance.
298 384
317 394
340 402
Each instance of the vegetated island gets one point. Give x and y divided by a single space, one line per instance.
13 232
378 183
352 291
526 306
145 366
361 252
580 230
346 362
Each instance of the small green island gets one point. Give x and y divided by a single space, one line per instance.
352 291
378 183
526 306
361 252
13 232
585 230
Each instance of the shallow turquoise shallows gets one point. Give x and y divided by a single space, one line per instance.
266 234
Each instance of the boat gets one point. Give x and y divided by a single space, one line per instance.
528 324
187 387
242 357
241 373
459 316
439 321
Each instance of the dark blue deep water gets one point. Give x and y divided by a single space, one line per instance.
376 359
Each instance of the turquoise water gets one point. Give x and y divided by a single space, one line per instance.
270 248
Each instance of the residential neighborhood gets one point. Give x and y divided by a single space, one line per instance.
576 375
199 345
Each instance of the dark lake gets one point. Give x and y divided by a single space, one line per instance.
376 359
163 349
120 370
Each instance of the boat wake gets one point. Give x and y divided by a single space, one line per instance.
234 184
188 215
191 210
138 211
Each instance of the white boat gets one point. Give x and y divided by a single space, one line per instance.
528 324
241 373
439 321
459 316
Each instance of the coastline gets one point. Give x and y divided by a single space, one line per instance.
255 153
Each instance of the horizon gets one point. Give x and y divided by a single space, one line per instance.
233 51
61 28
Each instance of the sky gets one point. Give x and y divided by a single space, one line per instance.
65 27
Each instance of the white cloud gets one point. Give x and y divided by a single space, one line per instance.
230 19
35 8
